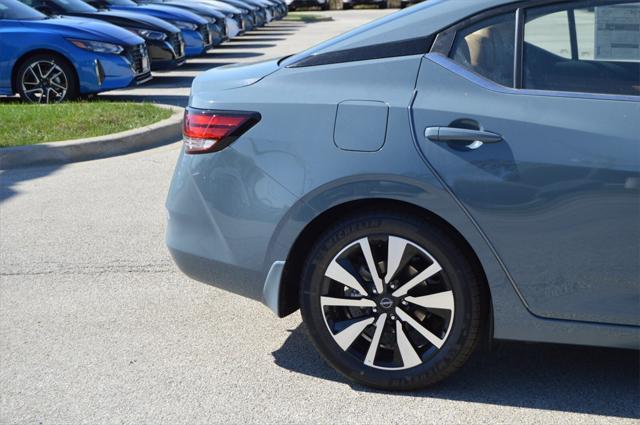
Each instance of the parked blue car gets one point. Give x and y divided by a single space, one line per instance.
163 40
195 29
236 17
454 172
49 60
215 18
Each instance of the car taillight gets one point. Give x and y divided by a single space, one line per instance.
211 131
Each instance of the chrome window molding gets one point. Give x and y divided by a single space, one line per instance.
487 84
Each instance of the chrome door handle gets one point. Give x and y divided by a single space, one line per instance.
453 134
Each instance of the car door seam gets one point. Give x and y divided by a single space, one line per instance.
462 207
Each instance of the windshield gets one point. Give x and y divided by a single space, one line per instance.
74 6
13 9
121 3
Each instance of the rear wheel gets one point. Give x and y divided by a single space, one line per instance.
347 6
391 302
383 5
46 78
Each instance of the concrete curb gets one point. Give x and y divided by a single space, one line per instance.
163 132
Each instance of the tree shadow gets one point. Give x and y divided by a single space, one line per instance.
598 381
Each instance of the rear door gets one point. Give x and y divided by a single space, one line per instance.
531 117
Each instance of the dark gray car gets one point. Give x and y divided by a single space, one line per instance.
456 171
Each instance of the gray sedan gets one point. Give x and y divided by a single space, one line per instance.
454 172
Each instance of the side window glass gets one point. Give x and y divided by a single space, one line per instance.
589 47
487 48
551 33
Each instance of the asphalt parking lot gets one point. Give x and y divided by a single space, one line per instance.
98 326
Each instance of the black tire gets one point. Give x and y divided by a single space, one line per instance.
347 6
325 6
470 298
68 75
383 5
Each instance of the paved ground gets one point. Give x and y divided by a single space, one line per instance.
98 326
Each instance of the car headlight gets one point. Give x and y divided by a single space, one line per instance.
97 46
184 25
149 34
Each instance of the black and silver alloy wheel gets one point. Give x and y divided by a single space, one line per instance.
391 301
386 301
46 79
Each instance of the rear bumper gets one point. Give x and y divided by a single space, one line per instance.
222 214
229 277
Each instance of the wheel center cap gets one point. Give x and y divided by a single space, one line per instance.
386 303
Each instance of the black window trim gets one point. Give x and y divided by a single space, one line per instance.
443 44
393 49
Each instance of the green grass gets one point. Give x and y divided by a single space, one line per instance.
306 17
22 124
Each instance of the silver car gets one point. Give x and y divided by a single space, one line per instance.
454 172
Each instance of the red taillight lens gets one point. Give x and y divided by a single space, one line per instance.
211 131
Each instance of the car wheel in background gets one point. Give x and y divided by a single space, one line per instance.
383 5
347 6
392 301
46 78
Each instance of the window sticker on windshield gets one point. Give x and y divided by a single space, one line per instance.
618 32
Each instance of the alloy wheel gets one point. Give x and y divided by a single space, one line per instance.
387 302
44 81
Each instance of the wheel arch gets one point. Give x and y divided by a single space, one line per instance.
30 53
288 297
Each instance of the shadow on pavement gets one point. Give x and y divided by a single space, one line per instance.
293 26
169 81
246 46
259 39
9 179
274 33
237 55
198 65
589 380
